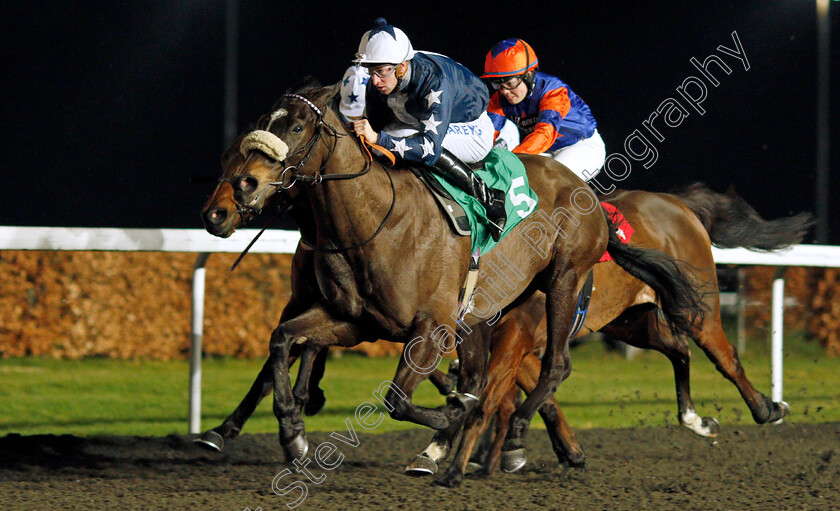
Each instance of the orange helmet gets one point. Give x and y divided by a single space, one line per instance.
511 57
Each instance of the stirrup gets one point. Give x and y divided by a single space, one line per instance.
496 214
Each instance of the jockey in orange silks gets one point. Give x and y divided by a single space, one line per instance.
552 119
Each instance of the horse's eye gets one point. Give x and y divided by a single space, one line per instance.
297 129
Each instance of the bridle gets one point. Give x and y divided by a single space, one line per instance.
285 183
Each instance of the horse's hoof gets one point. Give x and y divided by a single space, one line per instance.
711 426
449 480
421 466
474 466
513 460
463 401
297 448
707 427
783 409
211 440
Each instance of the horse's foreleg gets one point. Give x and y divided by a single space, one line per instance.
512 339
444 382
471 380
308 395
315 327
233 424
491 459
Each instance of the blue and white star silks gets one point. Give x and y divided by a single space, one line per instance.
400 146
382 27
352 104
428 147
431 124
438 92
433 97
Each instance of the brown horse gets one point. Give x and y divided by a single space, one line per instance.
685 226
731 222
402 282
222 214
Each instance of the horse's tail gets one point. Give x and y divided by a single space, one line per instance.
731 222
678 294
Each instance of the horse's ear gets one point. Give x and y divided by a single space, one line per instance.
327 94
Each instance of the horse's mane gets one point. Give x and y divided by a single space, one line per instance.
306 84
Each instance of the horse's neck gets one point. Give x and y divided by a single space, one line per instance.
348 211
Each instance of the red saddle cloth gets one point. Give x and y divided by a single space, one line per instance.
623 227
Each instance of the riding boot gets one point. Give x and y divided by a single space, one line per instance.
462 176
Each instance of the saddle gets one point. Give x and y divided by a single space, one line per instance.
451 209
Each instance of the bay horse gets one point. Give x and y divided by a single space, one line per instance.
401 282
684 225
222 214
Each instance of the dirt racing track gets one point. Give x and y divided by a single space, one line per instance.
755 467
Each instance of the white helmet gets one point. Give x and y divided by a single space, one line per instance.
384 44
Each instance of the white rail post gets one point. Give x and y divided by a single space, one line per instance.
778 307
741 305
195 344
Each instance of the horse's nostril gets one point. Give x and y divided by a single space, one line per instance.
247 184
216 216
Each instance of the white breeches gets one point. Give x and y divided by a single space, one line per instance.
584 155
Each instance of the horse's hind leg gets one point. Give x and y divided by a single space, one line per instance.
471 381
712 341
563 441
639 326
512 342
561 300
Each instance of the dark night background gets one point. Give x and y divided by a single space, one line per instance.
113 111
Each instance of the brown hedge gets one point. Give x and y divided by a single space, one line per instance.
137 304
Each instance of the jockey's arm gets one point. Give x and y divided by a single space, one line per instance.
554 106
425 147
363 129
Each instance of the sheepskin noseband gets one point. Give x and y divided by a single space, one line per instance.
265 142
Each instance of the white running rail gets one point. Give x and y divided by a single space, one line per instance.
285 242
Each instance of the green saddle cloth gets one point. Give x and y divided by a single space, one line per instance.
503 171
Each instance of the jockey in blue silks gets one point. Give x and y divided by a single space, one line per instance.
428 109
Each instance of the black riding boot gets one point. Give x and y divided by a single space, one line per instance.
462 176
